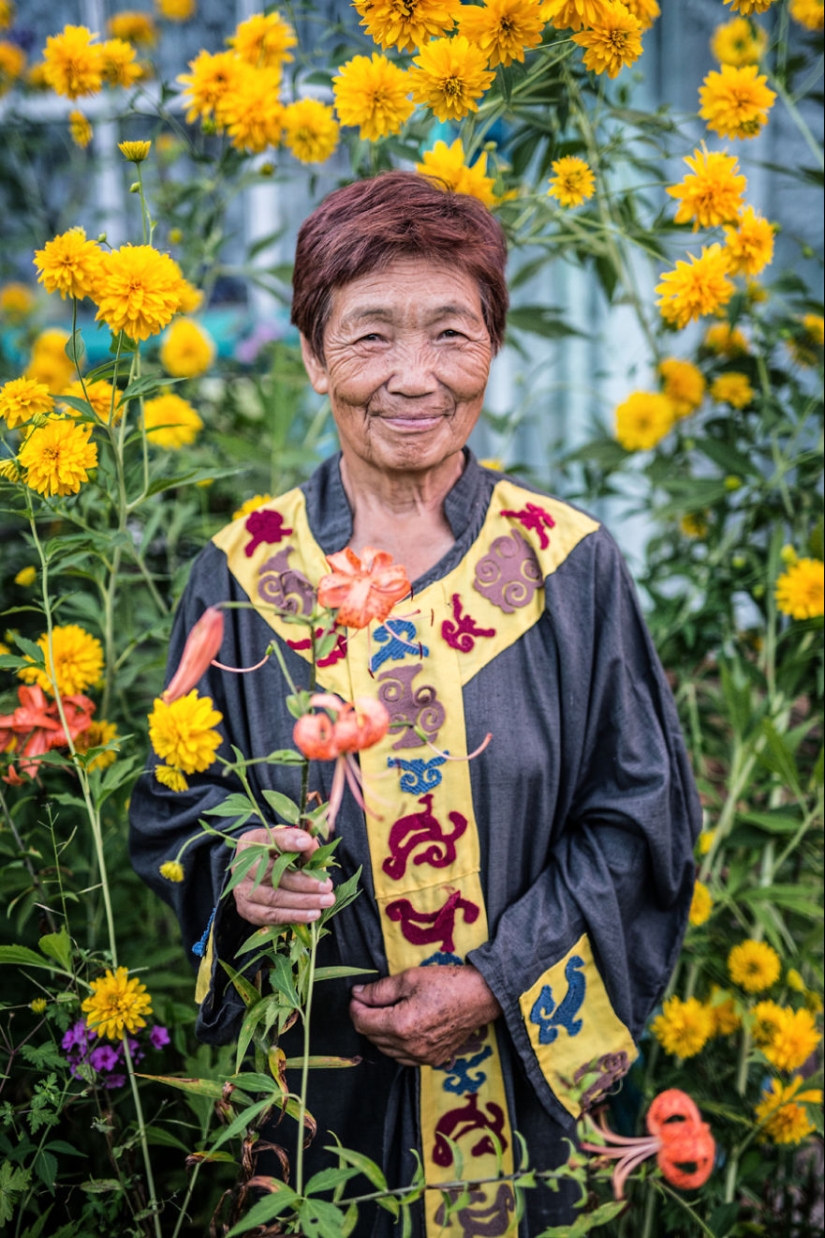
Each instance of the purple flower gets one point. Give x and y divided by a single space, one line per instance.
76 1035
104 1058
114 1081
158 1036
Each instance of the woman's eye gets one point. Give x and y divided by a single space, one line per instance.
370 338
450 333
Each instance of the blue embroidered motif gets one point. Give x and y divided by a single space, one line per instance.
399 638
418 776
199 947
459 1079
548 1018
442 959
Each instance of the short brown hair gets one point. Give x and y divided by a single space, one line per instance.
368 224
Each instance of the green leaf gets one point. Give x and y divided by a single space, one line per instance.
372 1172
146 385
265 1210
540 320
281 978
249 994
198 1087
328 1179
58 946
336 973
21 956
322 1062
283 806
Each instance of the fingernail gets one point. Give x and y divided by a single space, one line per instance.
327 900
358 988
313 915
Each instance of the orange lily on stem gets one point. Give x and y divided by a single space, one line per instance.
202 645
362 589
35 728
681 1142
336 733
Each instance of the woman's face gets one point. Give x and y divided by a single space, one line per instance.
407 357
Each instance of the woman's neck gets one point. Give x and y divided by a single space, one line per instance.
401 513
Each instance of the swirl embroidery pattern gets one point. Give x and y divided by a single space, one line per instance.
460 631
424 928
418 775
399 640
509 574
266 527
284 586
422 827
409 707
549 1018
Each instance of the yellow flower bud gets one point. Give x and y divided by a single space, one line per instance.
788 555
732 482
134 152
38 1005
172 871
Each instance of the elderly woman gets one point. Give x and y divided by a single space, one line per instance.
522 910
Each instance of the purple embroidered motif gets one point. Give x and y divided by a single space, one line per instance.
536 518
610 1068
265 527
460 631
425 928
509 574
285 587
459 1122
479 1217
410 706
422 827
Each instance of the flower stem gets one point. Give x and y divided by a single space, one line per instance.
150 1181
299 1157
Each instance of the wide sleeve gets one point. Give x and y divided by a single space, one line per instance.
580 959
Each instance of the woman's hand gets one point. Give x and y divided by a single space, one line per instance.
423 1016
299 899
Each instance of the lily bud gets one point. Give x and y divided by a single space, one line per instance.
202 645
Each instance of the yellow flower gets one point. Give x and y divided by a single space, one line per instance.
134 27
800 592
701 904
53 369
645 11
57 457
36 77
406 24
683 1028
573 14
73 63
504 29
117 1005
445 166
23 398
103 398
725 340
615 42
713 194
187 349
76 664
26 576
119 63
754 965
51 342
310 130
183 734
732 388
749 244
372 92
793 978
251 505
138 290
695 524
170 777
264 40
705 841
684 385
191 298
251 112
572 182
9 472
746 7
38 1005
6 14
756 293
805 344
80 129
814 326
809 13
69 264
739 42
176 10
171 421
767 1017
211 77
691 289
134 152
643 420
98 735
735 101
172 871
723 1008
16 301
449 77
780 1112
12 64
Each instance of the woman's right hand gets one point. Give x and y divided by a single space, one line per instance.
299 899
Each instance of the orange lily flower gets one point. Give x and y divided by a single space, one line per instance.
362 589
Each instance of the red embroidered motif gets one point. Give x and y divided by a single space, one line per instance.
339 649
459 1122
437 926
422 827
409 706
459 634
533 517
265 527
479 1218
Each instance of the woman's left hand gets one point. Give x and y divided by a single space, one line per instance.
422 1016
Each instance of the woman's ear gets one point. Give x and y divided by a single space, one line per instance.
315 368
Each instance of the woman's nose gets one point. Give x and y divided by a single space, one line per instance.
412 372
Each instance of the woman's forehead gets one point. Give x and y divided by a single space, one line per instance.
409 286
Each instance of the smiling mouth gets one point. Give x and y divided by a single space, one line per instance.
412 423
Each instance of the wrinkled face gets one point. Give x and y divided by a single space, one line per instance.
407 357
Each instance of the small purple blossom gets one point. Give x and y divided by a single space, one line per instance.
114 1081
104 1058
76 1036
158 1036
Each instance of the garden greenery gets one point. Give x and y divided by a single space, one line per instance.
113 472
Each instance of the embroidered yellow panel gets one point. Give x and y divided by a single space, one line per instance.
575 1033
421 827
